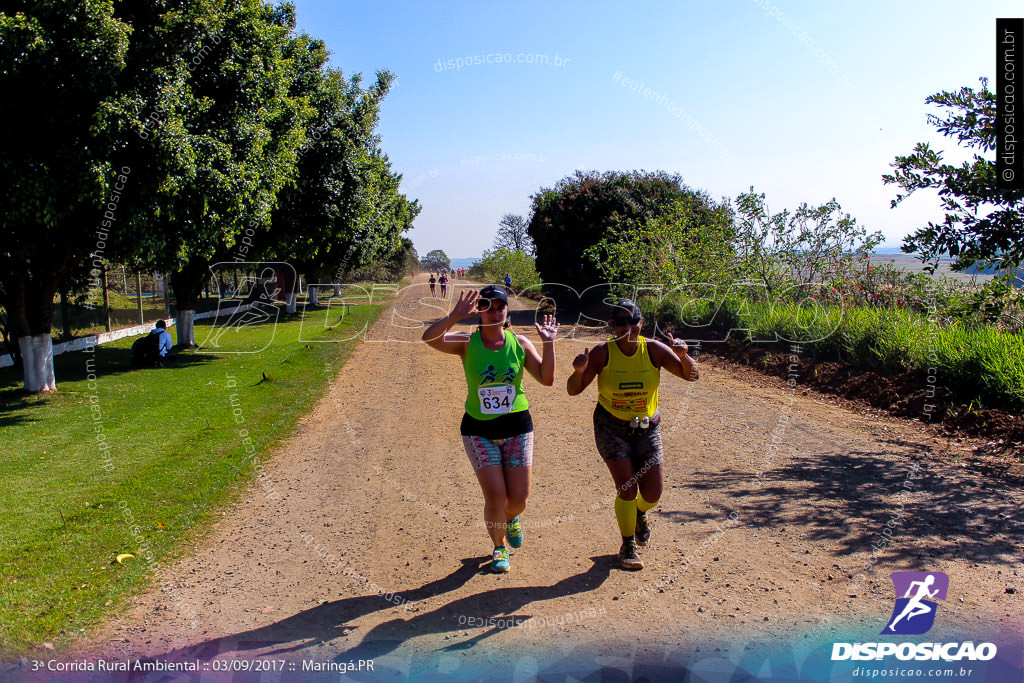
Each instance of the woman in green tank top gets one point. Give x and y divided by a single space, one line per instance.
497 430
626 420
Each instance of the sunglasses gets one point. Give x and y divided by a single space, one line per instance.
625 321
494 304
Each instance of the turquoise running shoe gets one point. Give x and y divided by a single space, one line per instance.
514 531
499 561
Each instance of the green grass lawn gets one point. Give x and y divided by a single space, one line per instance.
176 455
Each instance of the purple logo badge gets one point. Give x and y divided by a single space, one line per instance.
914 612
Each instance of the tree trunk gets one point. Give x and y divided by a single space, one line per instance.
188 287
314 300
30 319
286 286
37 359
337 289
185 327
65 316
138 295
106 298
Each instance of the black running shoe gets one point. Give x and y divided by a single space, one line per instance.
643 529
628 556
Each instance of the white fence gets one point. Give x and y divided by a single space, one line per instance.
114 335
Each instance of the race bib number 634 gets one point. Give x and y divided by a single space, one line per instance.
496 400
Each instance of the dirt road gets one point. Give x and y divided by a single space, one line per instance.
773 501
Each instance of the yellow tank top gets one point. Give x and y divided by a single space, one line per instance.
628 386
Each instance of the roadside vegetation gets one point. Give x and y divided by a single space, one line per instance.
719 270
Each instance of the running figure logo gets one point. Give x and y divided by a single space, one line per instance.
489 374
913 613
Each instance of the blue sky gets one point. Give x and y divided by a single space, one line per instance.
805 101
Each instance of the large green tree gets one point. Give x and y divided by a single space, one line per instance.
217 130
343 209
436 260
690 240
581 210
983 224
60 64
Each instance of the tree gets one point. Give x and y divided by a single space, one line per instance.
812 244
761 239
343 209
983 223
391 269
513 234
581 210
225 140
689 241
495 263
436 260
56 168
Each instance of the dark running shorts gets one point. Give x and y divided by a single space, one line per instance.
616 440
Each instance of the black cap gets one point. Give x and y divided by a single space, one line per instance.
627 306
491 292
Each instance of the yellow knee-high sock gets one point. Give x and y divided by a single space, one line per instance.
625 514
642 505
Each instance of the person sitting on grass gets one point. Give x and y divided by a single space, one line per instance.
163 351
154 348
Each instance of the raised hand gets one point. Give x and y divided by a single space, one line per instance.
579 363
549 330
678 345
466 305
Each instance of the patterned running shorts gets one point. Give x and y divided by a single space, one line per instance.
616 440
516 451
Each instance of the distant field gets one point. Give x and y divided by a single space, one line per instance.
911 264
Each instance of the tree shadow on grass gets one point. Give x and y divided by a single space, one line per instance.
76 366
112 360
852 499
16 406
326 622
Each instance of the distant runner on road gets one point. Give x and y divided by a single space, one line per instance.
497 429
626 419
433 284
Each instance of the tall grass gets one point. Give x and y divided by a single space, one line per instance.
977 363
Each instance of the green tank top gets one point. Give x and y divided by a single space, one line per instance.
494 378
628 386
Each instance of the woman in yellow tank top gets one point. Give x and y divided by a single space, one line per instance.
626 419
